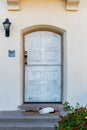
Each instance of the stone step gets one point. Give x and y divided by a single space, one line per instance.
27 126
21 117
18 120
29 120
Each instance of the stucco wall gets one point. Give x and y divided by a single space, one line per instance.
49 12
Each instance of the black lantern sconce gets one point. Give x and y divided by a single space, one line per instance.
7 25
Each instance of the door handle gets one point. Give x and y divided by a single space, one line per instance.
25 57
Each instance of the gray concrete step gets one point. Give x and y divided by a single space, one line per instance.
29 120
29 117
18 120
27 126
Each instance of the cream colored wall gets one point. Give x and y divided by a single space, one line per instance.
49 12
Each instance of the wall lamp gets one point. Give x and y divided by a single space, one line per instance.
7 25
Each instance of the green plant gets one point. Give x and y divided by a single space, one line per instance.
77 105
68 107
77 120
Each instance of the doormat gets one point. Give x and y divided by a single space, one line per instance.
36 113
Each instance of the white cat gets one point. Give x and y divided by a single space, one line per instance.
46 110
